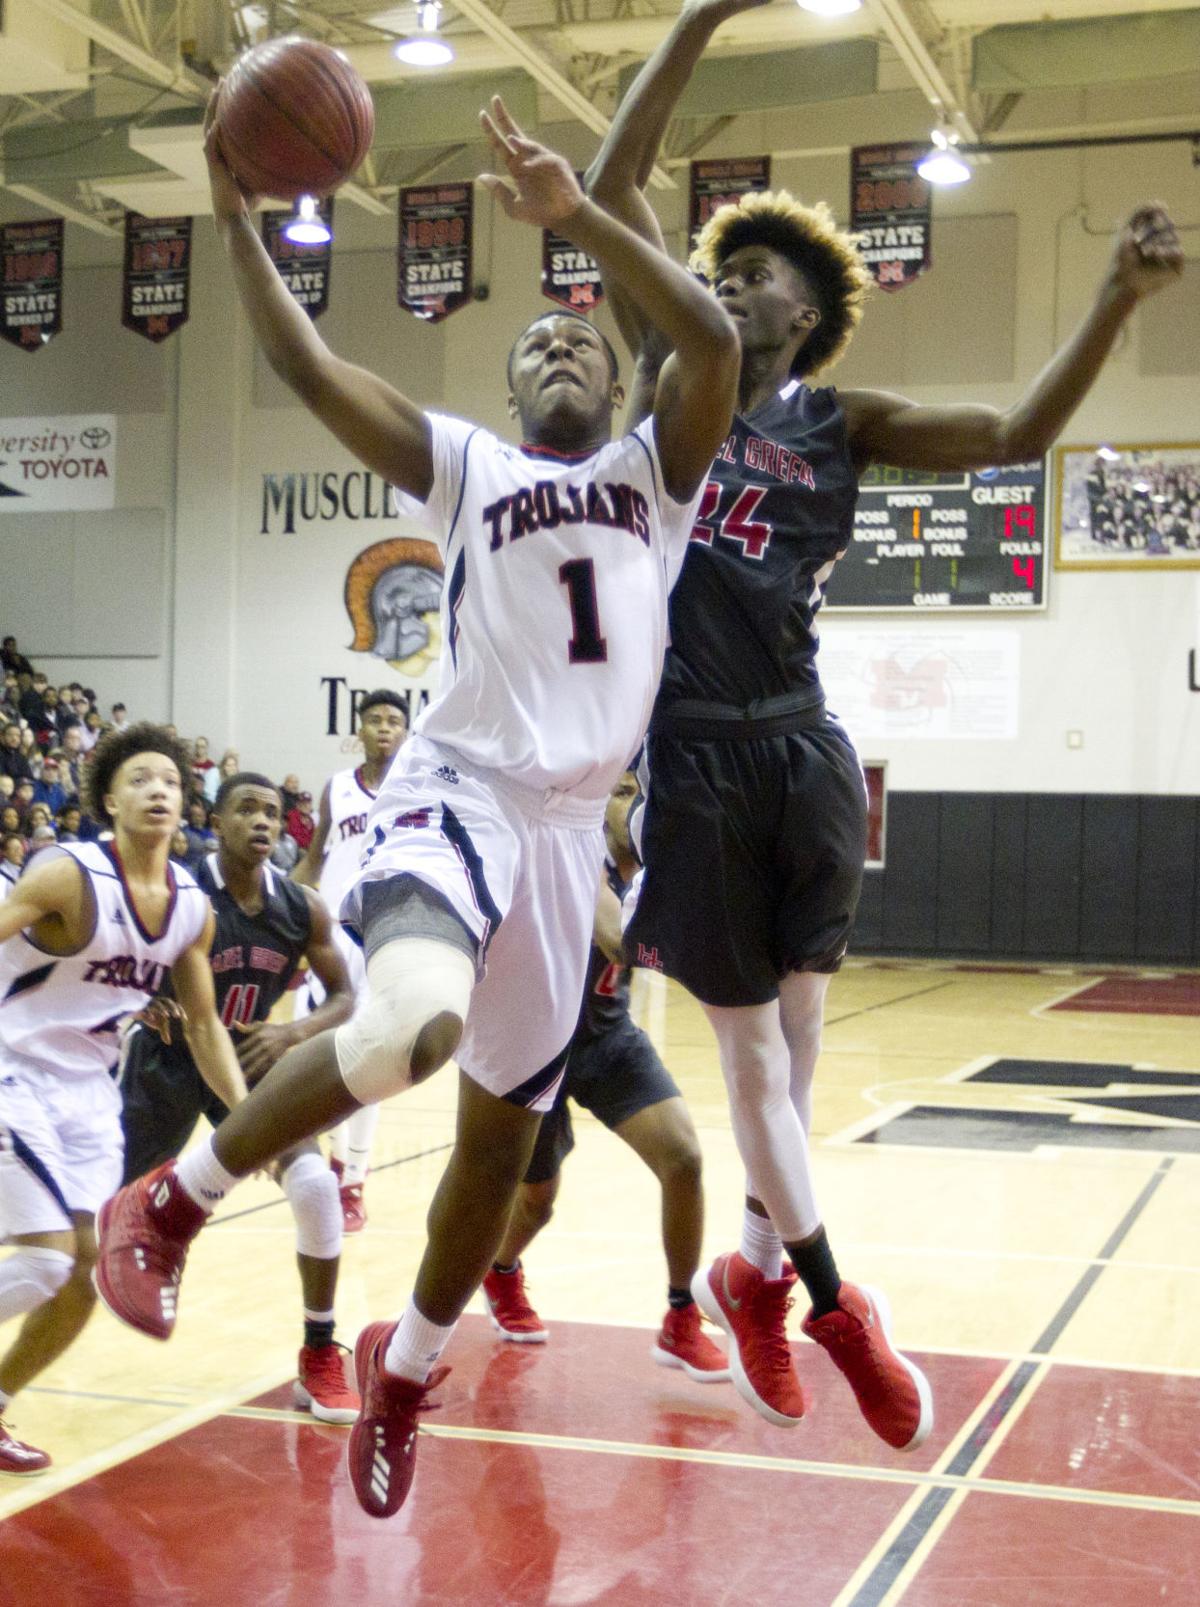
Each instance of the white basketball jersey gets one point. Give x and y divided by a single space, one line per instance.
554 609
349 804
64 1011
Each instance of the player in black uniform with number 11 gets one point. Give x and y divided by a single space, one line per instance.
754 829
265 925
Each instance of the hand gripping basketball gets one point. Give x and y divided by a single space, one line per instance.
230 201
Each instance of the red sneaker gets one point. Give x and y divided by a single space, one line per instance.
321 1387
892 1393
144 1232
512 1315
354 1212
383 1442
753 1312
683 1343
17 1457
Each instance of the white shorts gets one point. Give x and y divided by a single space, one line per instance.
61 1145
521 870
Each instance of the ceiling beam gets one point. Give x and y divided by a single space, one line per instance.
904 34
60 209
179 78
544 72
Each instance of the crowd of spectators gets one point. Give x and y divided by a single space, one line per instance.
47 735
1149 506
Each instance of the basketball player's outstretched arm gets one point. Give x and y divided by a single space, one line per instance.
207 1039
618 176
696 392
883 428
262 1043
384 430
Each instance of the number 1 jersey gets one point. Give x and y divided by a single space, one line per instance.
554 609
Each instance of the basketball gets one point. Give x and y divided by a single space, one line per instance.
293 118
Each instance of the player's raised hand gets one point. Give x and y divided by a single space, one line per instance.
230 201
544 190
1147 256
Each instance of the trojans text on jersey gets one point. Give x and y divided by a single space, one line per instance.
548 504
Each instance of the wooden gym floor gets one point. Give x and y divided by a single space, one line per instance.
1010 1153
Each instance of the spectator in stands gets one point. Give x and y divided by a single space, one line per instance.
7 787
93 729
10 821
71 758
12 858
23 800
41 837
180 848
12 760
119 717
14 660
70 824
48 789
32 705
300 823
202 764
289 793
36 815
201 838
229 766
10 698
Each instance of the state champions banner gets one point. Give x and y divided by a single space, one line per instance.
32 256
156 281
54 464
569 276
714 183
435 249
891 213
305 269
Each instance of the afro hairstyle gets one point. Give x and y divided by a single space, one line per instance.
111 753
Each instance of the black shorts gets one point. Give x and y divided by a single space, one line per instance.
614 1077
753 848
161 1102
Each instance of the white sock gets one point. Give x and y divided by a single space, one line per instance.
203 1178
359 1131
415 1346
318 1316
761 1245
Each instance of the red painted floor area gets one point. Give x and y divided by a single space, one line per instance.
1091 1429
999 1552
257 1512
1138 996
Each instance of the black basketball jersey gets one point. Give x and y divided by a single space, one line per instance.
779 505
253 959
606 997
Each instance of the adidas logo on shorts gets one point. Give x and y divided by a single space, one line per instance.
447 772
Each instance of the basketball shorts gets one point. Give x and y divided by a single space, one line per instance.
752 850
60 1145
161 1102
521 871
613 1076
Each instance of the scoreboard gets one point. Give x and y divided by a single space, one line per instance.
944 541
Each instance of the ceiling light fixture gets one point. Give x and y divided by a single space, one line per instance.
425 49
307 228
830 8
943 165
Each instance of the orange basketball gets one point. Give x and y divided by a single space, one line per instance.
293 118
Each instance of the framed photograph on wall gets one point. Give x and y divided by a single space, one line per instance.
1127 507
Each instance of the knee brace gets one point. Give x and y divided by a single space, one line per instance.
411 981
30 1277
312 1193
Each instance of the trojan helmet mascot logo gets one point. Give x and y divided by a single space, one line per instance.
393 597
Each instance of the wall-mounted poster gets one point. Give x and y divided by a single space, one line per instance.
1128 507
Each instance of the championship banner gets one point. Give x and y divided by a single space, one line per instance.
305 270
717 182
32 254
157 277
48 464
435 250
569 276
891 212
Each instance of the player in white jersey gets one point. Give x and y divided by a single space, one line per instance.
331 864
87 938
485 843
